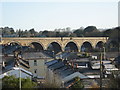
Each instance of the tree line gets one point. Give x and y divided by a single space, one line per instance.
90 31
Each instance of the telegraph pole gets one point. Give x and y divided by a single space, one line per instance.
20 78
104 52
16 58
101 70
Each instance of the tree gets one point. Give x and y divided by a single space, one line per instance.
114 38
51 34
7 31
115 33
12 30
90 29
27 83
58 34
107 32
20 33
68 29
32 32
10 82
26 33
73 35
45 33
78 32
13 82
94 34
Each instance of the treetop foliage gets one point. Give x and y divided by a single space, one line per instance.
13 82
90 31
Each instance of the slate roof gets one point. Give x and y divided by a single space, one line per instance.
34 55
60 68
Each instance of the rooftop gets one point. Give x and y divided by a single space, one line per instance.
60 68
34 55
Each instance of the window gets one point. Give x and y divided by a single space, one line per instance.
35 62
35 71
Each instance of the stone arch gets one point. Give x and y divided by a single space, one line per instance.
86 46
36 46
14 43
54 46
71 46
99 44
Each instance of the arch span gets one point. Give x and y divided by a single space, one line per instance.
99 44
14 43
36 46
86 47
54 46
71 46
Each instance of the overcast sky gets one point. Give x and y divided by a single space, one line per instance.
49 15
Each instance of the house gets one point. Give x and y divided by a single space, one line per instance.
61 74
94 57
15 68
108 66
81 63
17 72
66 55
36 62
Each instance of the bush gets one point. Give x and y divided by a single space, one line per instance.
13 82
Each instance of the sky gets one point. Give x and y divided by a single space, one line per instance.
49 15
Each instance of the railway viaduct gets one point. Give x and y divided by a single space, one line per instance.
57 42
